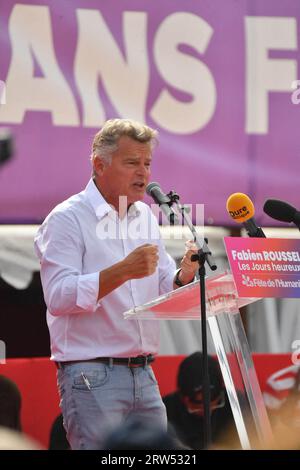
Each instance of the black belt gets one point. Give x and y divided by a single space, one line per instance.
139 361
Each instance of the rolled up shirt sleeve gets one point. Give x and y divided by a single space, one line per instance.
167 269
59 246
166 264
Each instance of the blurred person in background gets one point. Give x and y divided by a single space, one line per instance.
14 440
11 437
136 434
185 406
10 404
282 398
58 439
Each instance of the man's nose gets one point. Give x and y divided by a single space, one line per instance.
141 170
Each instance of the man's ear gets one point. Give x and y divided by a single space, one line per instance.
99 166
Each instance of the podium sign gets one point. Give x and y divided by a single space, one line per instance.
265 267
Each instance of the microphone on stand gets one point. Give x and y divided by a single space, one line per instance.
280 210
241 210
163 200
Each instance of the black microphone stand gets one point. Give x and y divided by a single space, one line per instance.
204 255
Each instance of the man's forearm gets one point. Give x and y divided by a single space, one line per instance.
112 278
140 263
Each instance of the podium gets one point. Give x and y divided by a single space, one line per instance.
231 345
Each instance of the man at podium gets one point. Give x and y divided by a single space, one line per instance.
101 255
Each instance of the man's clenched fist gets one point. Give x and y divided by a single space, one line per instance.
142 261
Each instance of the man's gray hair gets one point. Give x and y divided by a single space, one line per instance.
105 142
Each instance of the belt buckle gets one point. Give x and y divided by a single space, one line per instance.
143 363
130 363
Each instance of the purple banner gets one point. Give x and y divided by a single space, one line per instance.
217 79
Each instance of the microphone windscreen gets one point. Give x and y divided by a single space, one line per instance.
150 186
280 210
240 207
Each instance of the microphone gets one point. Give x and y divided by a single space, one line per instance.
241 209
154 190
282 211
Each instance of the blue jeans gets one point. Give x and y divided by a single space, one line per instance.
96 398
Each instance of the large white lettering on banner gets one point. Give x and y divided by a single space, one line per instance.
125 72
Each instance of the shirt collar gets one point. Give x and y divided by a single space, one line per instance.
133 210
101 206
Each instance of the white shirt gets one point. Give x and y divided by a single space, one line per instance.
72 249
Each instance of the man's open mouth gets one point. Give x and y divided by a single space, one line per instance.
139 185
